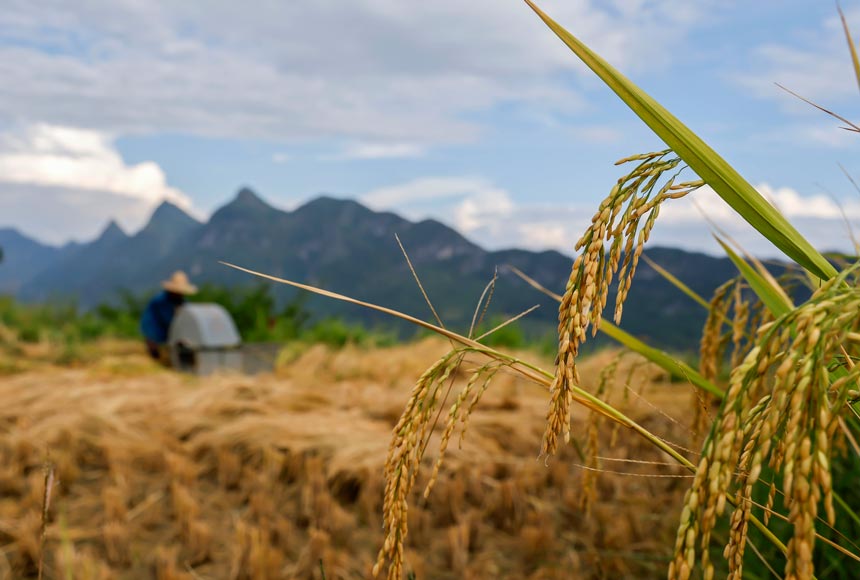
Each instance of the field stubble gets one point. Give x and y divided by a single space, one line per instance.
166 476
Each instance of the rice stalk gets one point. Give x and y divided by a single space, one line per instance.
667 362
755 315
713 343
781 392
802 391
762 319
411 435
592 449
49 472
400 480
418 282
529 371
624 220
849 125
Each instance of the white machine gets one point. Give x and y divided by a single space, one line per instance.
203 338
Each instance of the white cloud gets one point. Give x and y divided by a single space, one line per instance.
792 204
426 189
488 215
817 67
598 134
81 159
370 70
472 205
817 217
541 235
61 182
824 131
370 150
484 210
477 208
831 136
281 158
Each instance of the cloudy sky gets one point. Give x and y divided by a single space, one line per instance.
469 112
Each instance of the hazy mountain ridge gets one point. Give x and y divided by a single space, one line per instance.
345 247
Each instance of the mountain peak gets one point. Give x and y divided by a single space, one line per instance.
112 233
168 219
328 205
247 197
12 233
247 205
166 205
326 199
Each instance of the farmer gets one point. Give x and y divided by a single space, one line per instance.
156 319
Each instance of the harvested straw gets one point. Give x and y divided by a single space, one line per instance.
163 459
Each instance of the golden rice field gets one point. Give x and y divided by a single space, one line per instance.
167 476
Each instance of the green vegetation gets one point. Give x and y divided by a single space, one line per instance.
253 308
360 257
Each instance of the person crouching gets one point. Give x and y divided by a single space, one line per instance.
159 313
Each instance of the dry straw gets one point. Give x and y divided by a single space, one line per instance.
592 441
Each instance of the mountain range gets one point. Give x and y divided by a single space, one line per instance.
345 247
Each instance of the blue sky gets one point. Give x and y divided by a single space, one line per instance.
472 113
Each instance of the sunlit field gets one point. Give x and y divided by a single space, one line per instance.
280 475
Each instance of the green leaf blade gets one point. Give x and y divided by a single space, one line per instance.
709 166
660 358
851 48
774 300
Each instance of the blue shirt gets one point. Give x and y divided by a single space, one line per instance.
157 317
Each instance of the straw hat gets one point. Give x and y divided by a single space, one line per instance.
179 284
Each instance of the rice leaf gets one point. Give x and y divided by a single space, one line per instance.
661 359
851 47
676 282
768 277
712 168
775 300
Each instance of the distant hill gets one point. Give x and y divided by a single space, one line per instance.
343 246
23 258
